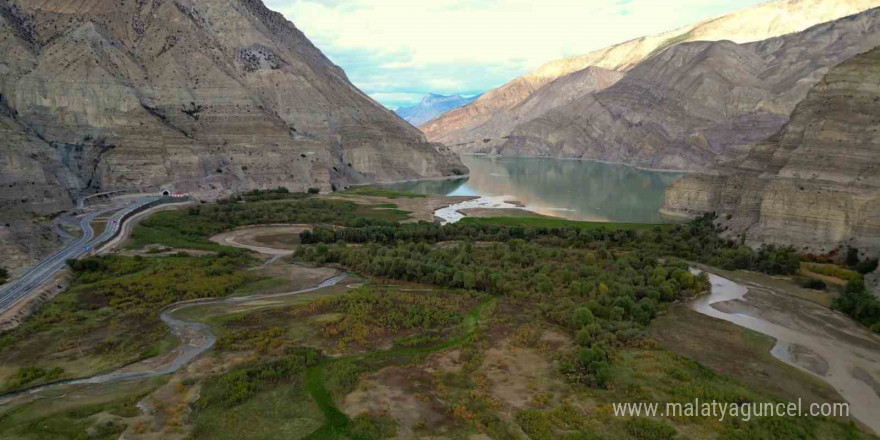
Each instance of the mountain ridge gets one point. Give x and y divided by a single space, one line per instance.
751 24
207 97
694 103
431 106
815 184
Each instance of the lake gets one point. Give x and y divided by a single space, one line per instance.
572 189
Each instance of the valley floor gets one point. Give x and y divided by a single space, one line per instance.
374 357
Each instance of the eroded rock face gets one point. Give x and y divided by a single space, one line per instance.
760 22
816 184
210 96
494 131
696 103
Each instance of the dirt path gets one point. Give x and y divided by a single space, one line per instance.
809 337
250 238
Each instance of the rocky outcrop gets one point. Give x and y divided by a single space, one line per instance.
494 131
210 96
431 106
756 23
696 103
816 184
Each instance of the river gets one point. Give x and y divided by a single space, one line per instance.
808 336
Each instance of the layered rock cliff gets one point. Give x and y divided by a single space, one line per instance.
696 103
814 185
486 137
207 96
760 22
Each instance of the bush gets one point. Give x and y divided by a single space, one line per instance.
239 385
860 304
833 270
582 317
647 429
867 266
812 283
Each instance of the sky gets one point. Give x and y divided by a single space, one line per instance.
397 51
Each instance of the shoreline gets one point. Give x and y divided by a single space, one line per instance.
607 162
417 179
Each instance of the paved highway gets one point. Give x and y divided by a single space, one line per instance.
46 269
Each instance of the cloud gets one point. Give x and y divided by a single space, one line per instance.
460 46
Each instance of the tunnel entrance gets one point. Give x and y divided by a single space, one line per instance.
166 193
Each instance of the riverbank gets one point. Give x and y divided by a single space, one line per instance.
809 337
607 162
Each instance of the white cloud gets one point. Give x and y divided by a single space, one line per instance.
418 43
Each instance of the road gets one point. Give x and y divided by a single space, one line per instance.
46 269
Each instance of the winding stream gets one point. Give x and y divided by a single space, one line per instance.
810 338
195 338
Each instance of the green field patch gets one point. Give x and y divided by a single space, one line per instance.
94 414
375 191
192 227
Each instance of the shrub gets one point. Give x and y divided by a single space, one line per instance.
812 283
867 266
647 429
858 303
582 317
239 385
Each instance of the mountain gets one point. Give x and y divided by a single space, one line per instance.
815 184
487 134
695 103
432 105
206 97
760 22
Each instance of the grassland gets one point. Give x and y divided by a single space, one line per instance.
527 328
191 228
97 413
375 191
108 316
305 396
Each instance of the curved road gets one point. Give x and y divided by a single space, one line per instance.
43 272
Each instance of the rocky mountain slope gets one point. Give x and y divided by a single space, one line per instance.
432 105
814 185
696 103
493 131
205 96
756 23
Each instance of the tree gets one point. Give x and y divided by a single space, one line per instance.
583 317
852 256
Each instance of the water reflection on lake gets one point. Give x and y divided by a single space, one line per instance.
573 189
